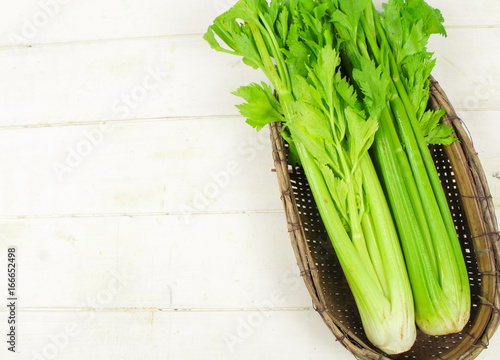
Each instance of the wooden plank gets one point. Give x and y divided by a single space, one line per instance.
134 79
176 335
468 14
179 77
54 21
98 254
196 166
158 262
467 67
484 128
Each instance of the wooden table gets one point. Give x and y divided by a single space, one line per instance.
146 219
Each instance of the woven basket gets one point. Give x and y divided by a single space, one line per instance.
473 212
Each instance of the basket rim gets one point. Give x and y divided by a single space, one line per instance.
479 210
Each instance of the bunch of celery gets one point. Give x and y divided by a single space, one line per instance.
395 41
353 88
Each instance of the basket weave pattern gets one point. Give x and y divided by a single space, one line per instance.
472 208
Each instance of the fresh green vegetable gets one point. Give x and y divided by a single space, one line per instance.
396 43
331 134
352 87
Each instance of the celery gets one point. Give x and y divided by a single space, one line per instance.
362 141
325 123
397 46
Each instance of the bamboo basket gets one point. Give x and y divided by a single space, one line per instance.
469 199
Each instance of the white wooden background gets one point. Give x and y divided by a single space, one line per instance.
147 220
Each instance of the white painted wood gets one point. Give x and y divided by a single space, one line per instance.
178 77
468 13
119 80
484 127
199 272
54 21
209 165
219 335
234 261
467 68
293 335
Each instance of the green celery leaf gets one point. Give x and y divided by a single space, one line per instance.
374 84
325 69
312 119
433 131
391 21
339 18
247 10
310 127
237 37
361 135
348 95
429 120
297 54
441 134
315 145
416 42
283 25
305 92
432 18
353 9
212 41
261 107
